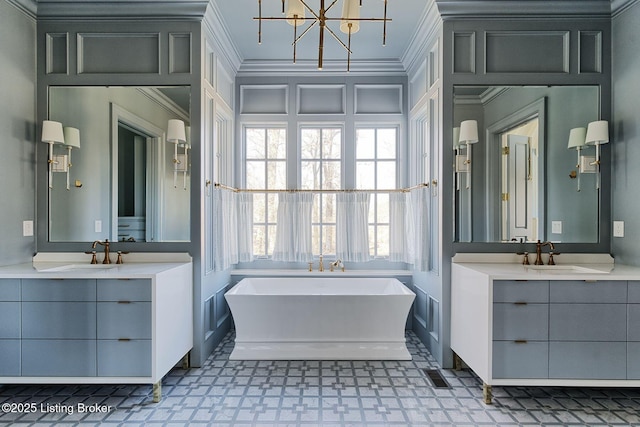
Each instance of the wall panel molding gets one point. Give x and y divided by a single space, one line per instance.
378 99
57 53
450 9
526 51
321 99
138 53
590 51
464 52
179 53
264 99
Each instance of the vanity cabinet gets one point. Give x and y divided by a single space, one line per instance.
10 327
108 327
549 331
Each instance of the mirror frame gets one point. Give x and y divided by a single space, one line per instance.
603 245
43 212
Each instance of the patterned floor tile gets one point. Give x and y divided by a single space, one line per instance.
225 393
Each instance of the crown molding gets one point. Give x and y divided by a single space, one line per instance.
122 9
29 7
618 7
428 29
216 27
330 68
523 9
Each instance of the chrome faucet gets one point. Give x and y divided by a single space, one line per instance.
106 244
539 246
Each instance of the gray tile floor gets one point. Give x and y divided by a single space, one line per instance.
326 393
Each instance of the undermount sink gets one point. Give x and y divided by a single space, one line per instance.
75 267
563 269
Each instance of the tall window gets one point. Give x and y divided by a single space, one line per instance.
320 169
265 168
376 164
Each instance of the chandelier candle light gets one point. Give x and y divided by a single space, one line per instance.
294 14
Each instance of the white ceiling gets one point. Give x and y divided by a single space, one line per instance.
277 36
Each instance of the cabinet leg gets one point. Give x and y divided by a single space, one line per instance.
486 393
457 362
185 361
157 391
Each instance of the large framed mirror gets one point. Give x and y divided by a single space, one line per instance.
126 182
519 181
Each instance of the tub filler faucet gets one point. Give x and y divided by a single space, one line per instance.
336 264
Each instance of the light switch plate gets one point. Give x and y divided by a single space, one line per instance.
618 228
586 165
27 228
98 226
556 227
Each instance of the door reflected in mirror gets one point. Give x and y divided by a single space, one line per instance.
124 172
523 173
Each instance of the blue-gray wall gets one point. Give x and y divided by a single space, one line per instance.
625 143
18 132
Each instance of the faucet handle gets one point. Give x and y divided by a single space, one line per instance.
120 260
551 261
310 266
94 260
525 259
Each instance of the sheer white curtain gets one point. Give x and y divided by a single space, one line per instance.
233 227
409 228
293 230
352 226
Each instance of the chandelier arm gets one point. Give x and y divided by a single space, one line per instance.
310 10
335 36
305 32
331 5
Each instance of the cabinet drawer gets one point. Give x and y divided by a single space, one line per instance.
124 290
633 322
9 358
579 291
633 361
520 360
520 321
588 322
634 292
588 360
58 290
9 289
62 320
9 320
124 358
118 320
59 358
521 291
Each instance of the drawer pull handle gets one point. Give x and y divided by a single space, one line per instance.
124 339
520 303
124 302
124 279
522 280
520 341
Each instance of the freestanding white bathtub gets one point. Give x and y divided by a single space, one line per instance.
320 318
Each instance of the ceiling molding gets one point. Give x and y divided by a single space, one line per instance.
523 9
310 68
127 9
30 7
428 29
225 47
620 6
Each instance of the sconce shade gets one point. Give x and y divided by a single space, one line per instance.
71 137
456 138
52 132
597 133
176 132
350 10
577 138
295 7
468 132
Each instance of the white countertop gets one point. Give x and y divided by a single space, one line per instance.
57 266
572 267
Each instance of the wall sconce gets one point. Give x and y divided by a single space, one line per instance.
468 136
177 136
52 134
597 134
577 140
71 140
458 158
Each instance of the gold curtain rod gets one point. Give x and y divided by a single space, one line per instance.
244 190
